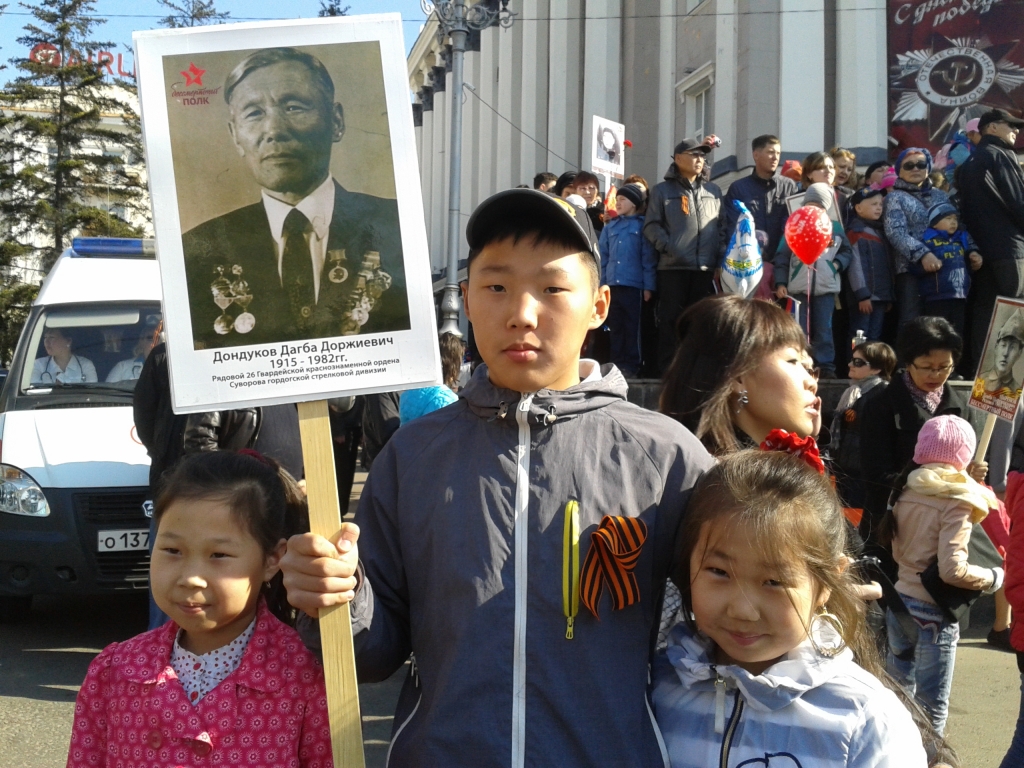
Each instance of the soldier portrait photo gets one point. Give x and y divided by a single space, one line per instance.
1009 343
997 388
278 246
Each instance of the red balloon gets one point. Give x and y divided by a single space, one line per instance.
808 233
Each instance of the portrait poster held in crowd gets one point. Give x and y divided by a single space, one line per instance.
607 150
997 385
293 260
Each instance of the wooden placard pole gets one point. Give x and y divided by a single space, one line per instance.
986 437
336 622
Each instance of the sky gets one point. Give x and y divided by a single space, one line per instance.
125 16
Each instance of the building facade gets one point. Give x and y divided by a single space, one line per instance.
667 69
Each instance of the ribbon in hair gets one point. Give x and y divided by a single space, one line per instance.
256 455
614 550
802 447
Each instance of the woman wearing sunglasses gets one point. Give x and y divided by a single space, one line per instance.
905 218
871 367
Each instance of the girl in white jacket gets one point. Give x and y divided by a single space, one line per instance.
763 672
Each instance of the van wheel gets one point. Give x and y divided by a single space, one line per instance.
14 608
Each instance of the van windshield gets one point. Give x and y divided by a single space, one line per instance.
90 347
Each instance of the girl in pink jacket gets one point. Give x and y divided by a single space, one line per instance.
226 681
932 522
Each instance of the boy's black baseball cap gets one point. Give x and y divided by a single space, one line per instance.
532 207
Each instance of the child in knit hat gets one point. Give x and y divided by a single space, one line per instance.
931 522
944 293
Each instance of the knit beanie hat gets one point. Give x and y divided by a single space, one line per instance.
632 192
914 151
940 211
946 440
821 194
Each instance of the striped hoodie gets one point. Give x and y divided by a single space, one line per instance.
803 711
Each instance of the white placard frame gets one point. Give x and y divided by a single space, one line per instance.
598 160
361 364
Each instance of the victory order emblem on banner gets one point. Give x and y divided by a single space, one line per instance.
997 386
949 63
294 264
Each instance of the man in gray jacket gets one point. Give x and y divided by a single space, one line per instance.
682 223
478 527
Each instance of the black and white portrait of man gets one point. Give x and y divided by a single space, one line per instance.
310 259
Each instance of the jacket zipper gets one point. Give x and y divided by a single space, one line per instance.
394 739
571 566
521 575
730 732
654 724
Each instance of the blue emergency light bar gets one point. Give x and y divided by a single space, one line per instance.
112 247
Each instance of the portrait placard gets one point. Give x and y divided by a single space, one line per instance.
997 386
294 264
607 154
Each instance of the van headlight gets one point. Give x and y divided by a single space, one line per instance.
20 495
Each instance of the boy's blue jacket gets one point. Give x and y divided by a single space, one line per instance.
627 257
805 711
953 281
462 538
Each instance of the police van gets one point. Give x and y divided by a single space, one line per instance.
73 473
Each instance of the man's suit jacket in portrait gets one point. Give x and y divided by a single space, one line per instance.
239 246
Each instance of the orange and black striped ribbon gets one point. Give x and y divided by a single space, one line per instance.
614 549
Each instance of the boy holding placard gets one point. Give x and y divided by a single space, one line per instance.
518 541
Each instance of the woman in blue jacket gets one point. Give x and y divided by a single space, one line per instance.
629 265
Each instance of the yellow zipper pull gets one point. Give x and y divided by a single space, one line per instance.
571 566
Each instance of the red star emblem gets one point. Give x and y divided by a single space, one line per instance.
193 75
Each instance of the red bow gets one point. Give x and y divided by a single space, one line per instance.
802 447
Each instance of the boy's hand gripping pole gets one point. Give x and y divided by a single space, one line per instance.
335 622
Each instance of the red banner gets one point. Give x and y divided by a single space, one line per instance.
950 61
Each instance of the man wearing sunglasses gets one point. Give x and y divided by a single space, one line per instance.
992 203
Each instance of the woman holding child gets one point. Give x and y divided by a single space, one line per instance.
905 218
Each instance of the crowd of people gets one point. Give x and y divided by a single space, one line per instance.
922 236
580 581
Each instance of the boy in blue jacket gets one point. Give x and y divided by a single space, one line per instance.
944 293
629 265
493 533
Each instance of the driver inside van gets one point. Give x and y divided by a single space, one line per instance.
61 364
129 370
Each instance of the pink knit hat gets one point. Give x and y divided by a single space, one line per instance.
946 440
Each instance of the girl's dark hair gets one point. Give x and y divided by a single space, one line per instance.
924 335
721 338
567 179
263 497
813 162
452 350
880 356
